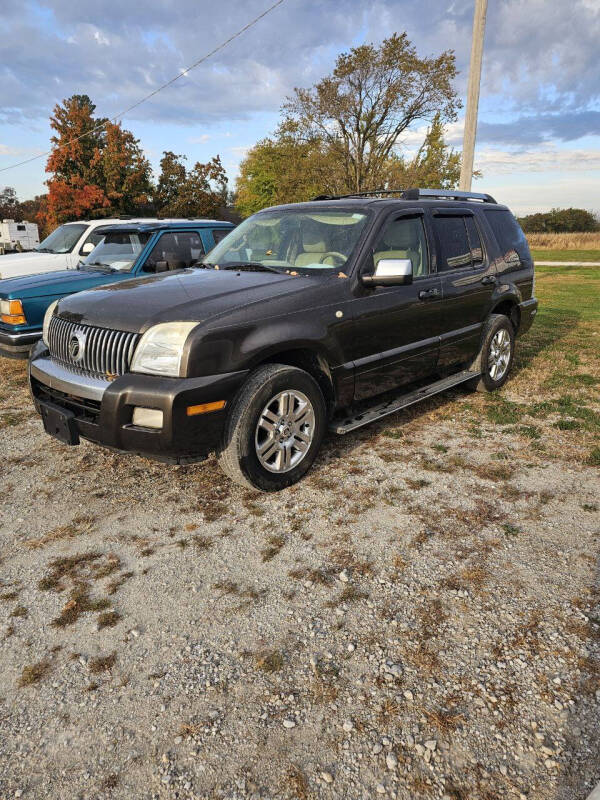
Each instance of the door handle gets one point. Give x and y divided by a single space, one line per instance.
487 279
426 294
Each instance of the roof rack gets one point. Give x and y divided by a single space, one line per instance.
413 194
373 193
446 194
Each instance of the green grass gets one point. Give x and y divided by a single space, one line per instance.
568 291
566 255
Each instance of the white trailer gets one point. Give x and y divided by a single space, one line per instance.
17 237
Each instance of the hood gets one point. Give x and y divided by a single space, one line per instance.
29 263
187 295
58 282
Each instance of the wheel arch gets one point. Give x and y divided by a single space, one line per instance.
311 361
509 306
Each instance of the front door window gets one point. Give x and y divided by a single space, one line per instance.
404 238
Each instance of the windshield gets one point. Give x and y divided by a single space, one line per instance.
62 240
292 239
117 251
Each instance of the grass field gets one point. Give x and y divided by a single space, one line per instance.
564 241
565 255
564 246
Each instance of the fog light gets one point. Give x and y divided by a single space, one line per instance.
147 417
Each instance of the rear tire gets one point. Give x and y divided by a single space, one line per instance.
495 357
274 429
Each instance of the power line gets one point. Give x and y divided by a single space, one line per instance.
152 94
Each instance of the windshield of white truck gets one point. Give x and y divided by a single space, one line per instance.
62 240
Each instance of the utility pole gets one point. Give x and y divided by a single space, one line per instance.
468 153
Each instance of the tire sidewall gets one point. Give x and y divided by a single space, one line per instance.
249 464
501 323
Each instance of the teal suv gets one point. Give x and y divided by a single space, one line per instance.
127 250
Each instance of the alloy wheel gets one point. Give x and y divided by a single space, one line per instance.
285 431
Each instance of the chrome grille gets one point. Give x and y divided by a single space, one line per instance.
105 352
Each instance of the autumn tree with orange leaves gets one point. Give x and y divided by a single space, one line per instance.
97 168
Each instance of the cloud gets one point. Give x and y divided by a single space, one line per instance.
543 127
540 56
505 162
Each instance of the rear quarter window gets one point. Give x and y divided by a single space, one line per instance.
508 232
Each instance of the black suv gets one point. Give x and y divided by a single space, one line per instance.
293 323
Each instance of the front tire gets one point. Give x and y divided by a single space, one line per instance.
496 355
274 429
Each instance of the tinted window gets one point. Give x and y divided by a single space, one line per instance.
474 240
179 249
220 233
455 249
404 238
507 231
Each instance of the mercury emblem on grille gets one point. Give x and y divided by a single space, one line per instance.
77 346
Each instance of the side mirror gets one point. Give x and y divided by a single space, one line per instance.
390 272
87 248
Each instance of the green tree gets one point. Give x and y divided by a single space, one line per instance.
561 220
199 192
9 203
436 165
172 177
372 97
284 169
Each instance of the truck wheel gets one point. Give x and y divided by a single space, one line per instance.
274 429
496 355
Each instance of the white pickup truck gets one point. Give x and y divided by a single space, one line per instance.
63 248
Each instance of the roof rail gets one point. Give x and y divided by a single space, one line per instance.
446 194
372 193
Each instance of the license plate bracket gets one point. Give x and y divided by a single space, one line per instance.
59 423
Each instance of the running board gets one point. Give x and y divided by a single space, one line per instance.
347 424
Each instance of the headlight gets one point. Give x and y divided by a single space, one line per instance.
46 325
11 312
161 349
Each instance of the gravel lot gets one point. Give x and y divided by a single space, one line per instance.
420 618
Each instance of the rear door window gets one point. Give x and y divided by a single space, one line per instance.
455 248
474 241
508 232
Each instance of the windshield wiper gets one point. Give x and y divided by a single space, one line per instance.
250 266
43 250
107 267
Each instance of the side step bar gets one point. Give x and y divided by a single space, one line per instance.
351 423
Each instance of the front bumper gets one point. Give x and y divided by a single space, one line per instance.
103 410
18 345
528 310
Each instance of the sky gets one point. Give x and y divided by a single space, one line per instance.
538 143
